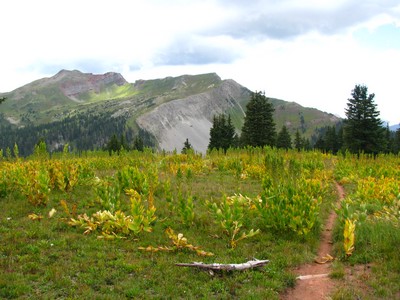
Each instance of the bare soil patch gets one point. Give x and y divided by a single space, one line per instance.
313 281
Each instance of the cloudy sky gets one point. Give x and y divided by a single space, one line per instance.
312 52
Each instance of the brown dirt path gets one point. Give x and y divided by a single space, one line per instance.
314 282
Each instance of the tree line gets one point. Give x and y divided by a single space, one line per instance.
361 131
258 129
83 132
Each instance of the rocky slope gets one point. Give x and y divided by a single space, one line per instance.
191 117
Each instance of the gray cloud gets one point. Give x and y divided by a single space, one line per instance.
258 20
191 50
281 20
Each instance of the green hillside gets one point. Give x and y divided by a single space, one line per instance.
305 119
84 109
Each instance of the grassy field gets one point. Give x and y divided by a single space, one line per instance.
100 227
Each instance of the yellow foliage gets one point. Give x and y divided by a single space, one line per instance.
348 234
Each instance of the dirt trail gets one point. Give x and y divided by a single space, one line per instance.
315 283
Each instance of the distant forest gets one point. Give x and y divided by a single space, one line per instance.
82 132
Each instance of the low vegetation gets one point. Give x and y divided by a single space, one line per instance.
104 227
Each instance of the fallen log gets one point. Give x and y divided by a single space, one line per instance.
228 267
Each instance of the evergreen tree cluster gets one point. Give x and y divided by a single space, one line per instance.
82 132
258 129
361 131
222 133
116 145
330 139
301 143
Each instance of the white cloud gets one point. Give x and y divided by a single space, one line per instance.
303 51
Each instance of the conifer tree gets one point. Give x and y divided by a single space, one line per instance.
320 143
284 140
259 127
298 143
122 142
138 144
340 137
306 143
113 145
389 137
396 142
331 140
363 129
186 147
222 133
2 99
16 151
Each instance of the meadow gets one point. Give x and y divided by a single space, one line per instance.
94 226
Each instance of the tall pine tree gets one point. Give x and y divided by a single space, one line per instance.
363 129
259 126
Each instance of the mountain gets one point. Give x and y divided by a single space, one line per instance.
85 110
394 127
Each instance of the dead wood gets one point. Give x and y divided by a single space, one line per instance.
228 267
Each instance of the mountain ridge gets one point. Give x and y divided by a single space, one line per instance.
165 111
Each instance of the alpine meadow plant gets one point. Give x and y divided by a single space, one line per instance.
289 206
179 242
117 224
230 216
186 209
34 183
108 194
132 178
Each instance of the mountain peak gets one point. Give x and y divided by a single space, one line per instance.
75 83
109 77
65 72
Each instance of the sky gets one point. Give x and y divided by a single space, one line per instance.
312 52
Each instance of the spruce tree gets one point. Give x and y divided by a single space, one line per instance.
340 138
138 144
363 129
396 142
389 137
306 143
113 145
122 142
186 147
298 143
284 140
259 126
320 144
222 133
331 140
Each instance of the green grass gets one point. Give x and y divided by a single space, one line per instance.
377 235
110 92
49 259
